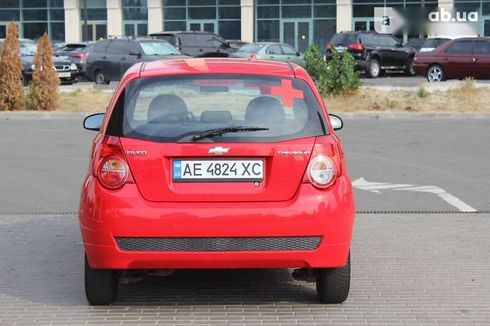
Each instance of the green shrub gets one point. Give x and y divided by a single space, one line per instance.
469 83
422 92
338 76
315 64
341 76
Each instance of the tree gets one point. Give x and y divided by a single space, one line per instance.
11 90
44 94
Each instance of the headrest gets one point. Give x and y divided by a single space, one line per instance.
265 109
167 108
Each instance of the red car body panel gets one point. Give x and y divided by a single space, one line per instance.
285 205
456 66
149 174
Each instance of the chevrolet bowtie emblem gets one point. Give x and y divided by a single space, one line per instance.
218 150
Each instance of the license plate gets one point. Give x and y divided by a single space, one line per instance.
340 48
217 170
64 74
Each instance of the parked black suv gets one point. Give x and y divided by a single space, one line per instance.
374 53
197 44
110 59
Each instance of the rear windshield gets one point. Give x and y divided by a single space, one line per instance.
169 38
171 109
344 39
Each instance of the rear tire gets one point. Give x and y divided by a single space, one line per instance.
373 68
333 284
100 78
100 285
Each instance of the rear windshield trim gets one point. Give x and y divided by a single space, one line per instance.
135 85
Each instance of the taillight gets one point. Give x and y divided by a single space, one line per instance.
113 172
356 46
79 55
253 56
324 166
321 171
110 165
329 47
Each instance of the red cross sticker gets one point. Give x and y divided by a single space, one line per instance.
287 92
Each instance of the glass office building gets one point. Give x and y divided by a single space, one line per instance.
480 6
296 22
96 15
35 17
217 16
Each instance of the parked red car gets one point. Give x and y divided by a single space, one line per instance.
460 58
216 163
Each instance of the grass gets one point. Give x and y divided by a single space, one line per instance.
465 98
84 100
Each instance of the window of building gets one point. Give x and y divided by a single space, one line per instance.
217 16
96 10
482 7
35 17
96 20
135 16
296 22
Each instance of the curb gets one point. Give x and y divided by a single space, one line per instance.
384 115
361 115
34 115
428 87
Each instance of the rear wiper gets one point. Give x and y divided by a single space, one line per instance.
220 131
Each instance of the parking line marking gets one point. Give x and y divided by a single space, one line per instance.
375 187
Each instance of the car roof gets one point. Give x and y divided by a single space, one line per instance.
182 32
75 44
137 39
216 66
474 38
268 43
363 32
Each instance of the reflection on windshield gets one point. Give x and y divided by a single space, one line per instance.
27 48
158 48
251 48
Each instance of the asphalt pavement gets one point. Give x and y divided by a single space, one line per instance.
407 164
407 269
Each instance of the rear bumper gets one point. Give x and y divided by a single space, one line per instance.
73 78
106 215
360 59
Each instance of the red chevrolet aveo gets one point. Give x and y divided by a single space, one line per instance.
216 163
